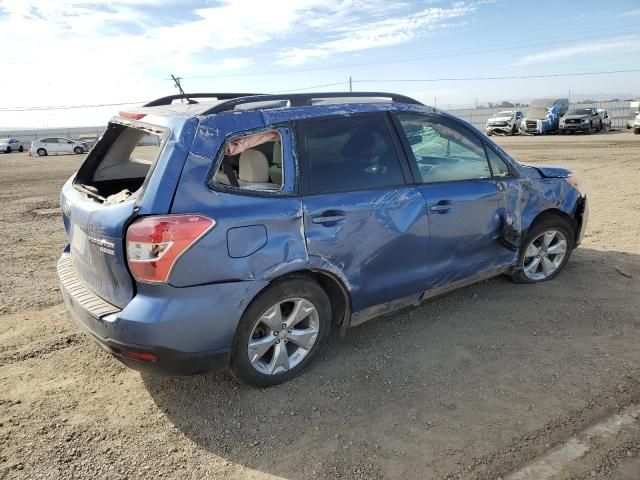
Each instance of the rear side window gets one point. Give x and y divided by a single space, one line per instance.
252 162
351 153
444 151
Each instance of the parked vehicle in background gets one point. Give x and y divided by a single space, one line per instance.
581 119
8 145
634 111
506 122
606 119
257 223
89 141
636 124
543 115
57 146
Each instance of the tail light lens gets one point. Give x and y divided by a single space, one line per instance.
154 244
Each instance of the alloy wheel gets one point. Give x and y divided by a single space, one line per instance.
283 336
544 255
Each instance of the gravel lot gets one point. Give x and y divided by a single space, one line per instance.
475 384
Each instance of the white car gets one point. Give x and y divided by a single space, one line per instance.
506 121
8 145
606 119
57 146
636 125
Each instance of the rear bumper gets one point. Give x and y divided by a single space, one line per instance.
177 330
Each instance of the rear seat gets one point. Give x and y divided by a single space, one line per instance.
253 172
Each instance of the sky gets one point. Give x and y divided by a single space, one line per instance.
66 53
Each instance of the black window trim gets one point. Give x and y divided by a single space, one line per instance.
412 160
305 180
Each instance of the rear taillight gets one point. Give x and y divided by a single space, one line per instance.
155 243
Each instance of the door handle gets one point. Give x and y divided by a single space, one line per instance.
443 206
333 218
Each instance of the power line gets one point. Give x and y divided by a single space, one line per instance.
312 87
412 58
67 107
509 77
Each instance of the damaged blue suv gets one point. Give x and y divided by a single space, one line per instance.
237 230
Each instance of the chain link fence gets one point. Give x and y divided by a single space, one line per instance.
619 112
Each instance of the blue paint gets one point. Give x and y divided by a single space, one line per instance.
245 241
388 247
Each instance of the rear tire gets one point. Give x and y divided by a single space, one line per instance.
636 131
42 152
548 264
8 150
78 150
262 334
21 149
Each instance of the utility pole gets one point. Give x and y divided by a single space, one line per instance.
435 102
350 84
176 80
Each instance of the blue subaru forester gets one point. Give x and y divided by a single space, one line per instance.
237 231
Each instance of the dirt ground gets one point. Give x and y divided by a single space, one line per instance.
476 384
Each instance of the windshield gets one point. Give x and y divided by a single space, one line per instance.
580 111
503 114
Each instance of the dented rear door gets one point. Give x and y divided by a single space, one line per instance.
361 215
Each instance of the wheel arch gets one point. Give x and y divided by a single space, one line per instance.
554 213
335 288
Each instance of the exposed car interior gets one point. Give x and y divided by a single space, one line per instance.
253 162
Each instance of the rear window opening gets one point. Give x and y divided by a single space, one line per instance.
120 162
252 162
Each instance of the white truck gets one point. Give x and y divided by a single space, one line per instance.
634 111
506 121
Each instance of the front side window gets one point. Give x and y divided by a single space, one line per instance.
252 162
350 153
498 166
444 151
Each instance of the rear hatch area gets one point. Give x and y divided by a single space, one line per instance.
100 201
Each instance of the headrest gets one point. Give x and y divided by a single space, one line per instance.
254 166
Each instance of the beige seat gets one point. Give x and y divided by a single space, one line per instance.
275 171
254 171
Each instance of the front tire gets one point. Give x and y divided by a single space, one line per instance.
280 332
42 152
78 150
8 150
545 251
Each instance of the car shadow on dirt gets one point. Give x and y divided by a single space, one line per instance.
419 393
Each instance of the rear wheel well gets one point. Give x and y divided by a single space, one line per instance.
333 287
555 213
